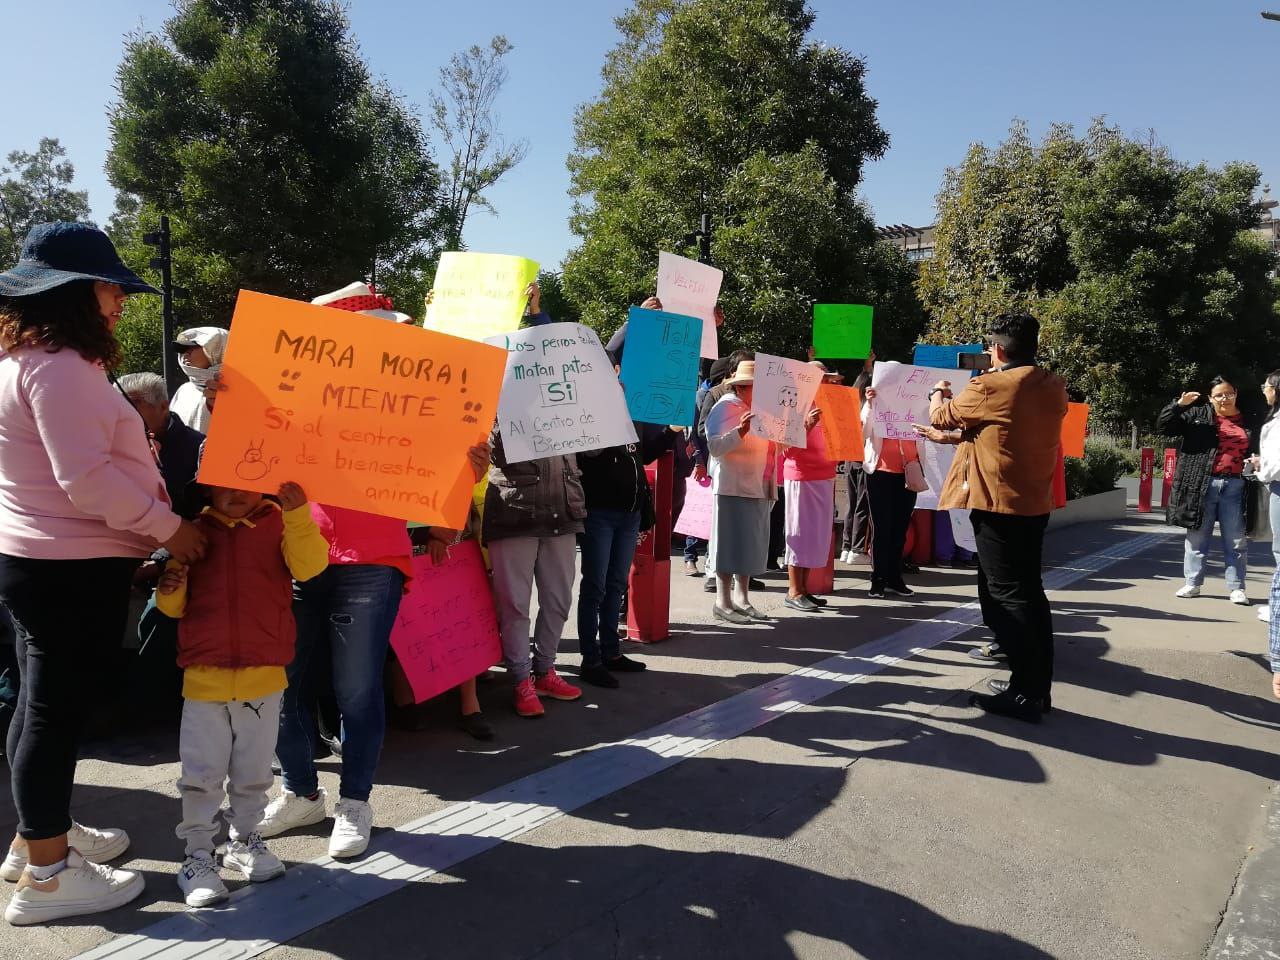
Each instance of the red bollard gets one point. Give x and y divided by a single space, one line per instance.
649 584
920 538
1146 470
1170 464
823 579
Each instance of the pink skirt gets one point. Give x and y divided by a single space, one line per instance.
810 517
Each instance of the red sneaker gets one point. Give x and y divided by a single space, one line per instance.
554 687
527 702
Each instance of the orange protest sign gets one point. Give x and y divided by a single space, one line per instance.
1073 428
841 424
362 412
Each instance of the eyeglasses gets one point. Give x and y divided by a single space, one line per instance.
1223 397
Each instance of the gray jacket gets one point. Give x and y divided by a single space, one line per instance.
537 498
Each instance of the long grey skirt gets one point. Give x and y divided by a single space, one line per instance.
739 535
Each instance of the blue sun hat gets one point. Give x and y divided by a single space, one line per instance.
58 253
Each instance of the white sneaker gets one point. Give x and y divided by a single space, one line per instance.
79 888
860 559
199 881
290 811
96 846
352 825
1264 613
1240 598
252 858
1187 591
846 556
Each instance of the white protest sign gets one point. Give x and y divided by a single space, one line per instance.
935 459
902 397
691 289
784 392
559 394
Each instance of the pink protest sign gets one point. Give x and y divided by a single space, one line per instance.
695 518
447 631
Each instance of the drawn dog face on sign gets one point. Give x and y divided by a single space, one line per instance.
788 397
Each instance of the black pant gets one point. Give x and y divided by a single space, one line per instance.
70 617
857 524
1011 593
891 506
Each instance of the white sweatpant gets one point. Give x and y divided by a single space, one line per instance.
229 743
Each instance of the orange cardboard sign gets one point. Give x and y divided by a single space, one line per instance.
1073 429
362 412
841 422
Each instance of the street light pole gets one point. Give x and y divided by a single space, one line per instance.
163 261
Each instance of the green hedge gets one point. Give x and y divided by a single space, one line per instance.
1103 465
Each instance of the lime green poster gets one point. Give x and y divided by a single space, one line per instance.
842 331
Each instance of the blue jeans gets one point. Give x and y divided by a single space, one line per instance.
346 614
1224 505
608 544
693 548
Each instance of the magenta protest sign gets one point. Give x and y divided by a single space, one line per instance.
447 631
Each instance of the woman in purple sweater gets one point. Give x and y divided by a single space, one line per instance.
82 503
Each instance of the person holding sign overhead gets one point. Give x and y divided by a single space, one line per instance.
743 480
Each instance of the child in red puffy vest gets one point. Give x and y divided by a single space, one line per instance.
235 638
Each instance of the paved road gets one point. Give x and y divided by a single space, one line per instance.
787 799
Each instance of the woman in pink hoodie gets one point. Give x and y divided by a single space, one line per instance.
82 503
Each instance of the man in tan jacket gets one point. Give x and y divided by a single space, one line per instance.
1011 423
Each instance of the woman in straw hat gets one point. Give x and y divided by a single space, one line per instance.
743 469
83 503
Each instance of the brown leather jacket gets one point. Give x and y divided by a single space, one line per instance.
1011 420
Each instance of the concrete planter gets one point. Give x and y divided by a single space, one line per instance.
1101 506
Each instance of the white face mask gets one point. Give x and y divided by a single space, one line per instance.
197 375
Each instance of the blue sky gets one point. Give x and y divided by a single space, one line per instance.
1201 73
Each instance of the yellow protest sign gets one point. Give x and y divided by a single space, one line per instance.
362 412
479 295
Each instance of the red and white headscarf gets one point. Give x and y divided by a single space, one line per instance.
359 297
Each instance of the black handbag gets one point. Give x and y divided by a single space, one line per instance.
648 514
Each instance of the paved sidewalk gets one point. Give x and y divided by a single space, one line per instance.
875 816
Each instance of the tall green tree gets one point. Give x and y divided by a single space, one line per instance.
36 188
1142 269
728 107
284 166
464 116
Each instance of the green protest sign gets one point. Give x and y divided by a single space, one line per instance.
842 331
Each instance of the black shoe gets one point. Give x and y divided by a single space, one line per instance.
598 675
909 567
877 590
275 766
709 585
476 725
900 589
1007 704
412 717
333 743
755 584
1002 686
624 664
816 601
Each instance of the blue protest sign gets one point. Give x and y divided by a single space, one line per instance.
660 366
946 357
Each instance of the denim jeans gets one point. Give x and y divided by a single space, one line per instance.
1224 505
345 614
693 548
608 544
